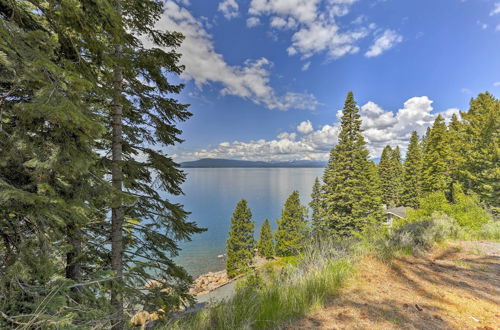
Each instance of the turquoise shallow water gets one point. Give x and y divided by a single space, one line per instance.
211 195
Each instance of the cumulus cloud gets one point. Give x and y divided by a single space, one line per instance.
204 65
381 127
229 8
305 127
315 25
383 43
253 21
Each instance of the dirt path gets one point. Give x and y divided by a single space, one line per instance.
454 287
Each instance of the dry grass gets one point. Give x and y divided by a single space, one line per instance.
431 292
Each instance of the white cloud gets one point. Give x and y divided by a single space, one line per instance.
281 23
306 66
496 9
496 84
304 11
229 8
383 43
204 65
381 128
253 21
305 127
315 25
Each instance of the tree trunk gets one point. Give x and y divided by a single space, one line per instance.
117 180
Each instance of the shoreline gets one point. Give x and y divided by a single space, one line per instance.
208 282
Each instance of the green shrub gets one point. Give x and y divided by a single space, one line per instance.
417 236
466 209
491 230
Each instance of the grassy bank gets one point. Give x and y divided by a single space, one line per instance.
270 298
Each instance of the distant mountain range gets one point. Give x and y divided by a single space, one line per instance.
213 162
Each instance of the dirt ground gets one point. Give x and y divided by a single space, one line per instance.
456 286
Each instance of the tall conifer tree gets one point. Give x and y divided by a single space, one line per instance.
240 243
412 173
436 159
48 132
481 130
350 202
266 244
317 221
83 49
385 172
143 119
292 227
397 170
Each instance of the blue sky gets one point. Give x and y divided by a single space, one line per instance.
266 78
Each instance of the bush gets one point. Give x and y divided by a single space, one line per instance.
418 236
491 230
466 209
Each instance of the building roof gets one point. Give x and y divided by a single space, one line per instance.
400 211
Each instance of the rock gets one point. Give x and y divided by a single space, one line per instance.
418 307
140 319
153 284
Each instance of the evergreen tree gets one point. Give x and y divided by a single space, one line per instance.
397 170
292 227
481 130
425 138
75 68
48 133
350 201
142 120
240 243
412 173
266 244
386 175
458 153
436 159
318 225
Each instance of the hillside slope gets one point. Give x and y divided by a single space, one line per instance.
453 287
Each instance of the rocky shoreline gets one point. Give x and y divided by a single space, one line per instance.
209 282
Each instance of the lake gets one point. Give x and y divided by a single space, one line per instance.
211 195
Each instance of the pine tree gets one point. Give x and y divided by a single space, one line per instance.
63 105
266 244
292 227
350 201
386 175
318 225
397 170
425 138
436 159
458 153
49 130
240 243
146 225
412 173
481 130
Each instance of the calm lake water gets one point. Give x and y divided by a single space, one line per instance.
211 195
